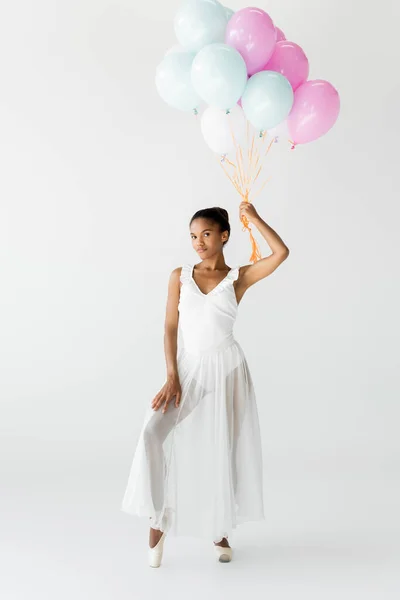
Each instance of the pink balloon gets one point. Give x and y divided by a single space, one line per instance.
315 109
252 32
289 60
280 36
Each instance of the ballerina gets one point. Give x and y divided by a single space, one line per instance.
198 468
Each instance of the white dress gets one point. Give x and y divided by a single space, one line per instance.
198 469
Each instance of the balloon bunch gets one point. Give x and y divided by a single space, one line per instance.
255 83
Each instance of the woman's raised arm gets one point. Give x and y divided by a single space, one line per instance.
250 274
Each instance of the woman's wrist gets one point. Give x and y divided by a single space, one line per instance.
257 220
172 373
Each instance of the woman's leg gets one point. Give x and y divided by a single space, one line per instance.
156 431
236 407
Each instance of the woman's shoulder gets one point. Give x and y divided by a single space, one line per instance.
235 272
239 274
182 273
242 269
185 272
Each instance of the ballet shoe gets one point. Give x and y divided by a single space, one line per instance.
155 554
223 554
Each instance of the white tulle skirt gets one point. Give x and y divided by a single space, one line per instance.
197 469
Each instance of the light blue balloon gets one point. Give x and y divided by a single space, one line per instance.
228 12
200 22
267 99
219 75
174 83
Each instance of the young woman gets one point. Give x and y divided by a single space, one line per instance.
197 468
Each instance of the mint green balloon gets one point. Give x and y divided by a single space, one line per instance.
219 75
200 22
267 99
174 82
228 12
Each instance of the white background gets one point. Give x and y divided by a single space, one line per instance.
99 179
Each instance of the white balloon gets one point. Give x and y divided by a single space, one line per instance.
217 128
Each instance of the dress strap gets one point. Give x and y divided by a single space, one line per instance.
186 273
234 273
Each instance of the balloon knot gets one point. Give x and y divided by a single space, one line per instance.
293 146
261 134
228 112
223 157
276 139
195 111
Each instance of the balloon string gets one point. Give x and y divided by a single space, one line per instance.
253 167
258 172
255 249
262 187
232 179
245 190
250 153
250 164
269 148
245 174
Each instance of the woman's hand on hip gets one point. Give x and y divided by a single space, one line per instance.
171 389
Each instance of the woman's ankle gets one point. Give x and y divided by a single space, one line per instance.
224 543
154 537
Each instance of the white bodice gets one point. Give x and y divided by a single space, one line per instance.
206 320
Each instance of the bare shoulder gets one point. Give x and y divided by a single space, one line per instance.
172 315
175 277
176 273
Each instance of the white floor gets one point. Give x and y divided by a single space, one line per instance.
332 532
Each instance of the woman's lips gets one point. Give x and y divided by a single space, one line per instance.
201 250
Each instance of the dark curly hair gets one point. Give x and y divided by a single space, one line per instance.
217 215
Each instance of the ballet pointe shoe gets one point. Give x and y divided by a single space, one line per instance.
155 554
224 554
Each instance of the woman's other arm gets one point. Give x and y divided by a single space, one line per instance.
171 323
171 389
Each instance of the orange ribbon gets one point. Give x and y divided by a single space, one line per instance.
244 176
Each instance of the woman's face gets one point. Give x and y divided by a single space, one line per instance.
206 237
